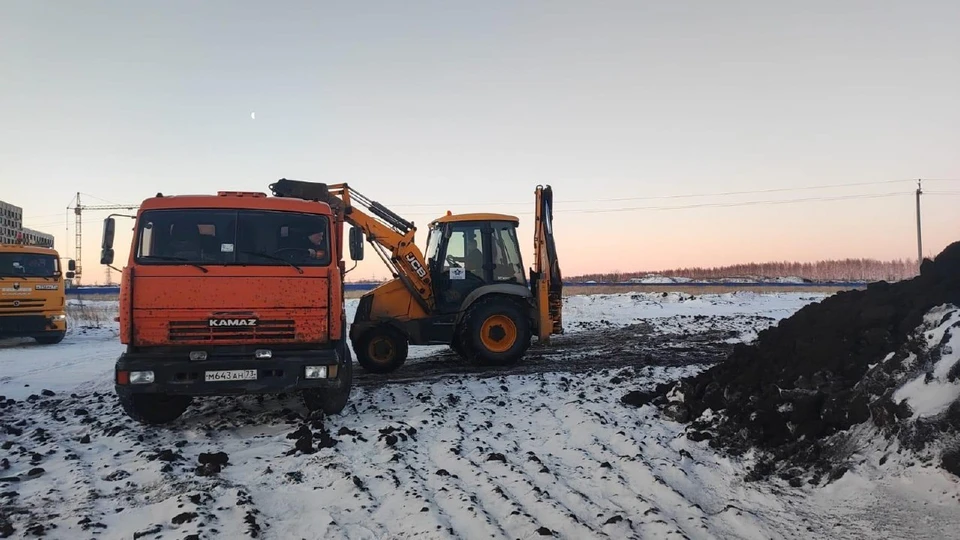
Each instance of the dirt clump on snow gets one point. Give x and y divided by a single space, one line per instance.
869 357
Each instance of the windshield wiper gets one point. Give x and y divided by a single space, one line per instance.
164 258
35 275
271 257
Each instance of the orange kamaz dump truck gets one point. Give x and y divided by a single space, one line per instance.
229 294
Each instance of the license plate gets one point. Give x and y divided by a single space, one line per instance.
231 375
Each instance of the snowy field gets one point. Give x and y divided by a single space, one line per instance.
542 451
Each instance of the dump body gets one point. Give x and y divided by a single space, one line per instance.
222 295
32 296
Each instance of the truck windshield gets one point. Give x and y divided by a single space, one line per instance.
28 265
227 237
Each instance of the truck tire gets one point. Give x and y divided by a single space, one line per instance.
381 349
154 409
50 339
495 331
332 400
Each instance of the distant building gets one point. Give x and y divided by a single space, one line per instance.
37 238
11 222
11 228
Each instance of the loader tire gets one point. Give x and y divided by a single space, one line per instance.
154 409
381 350
332 400
495 331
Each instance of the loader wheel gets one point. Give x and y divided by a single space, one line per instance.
153 409
495 331
381 350
332 400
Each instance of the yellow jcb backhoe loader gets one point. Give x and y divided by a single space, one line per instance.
468 291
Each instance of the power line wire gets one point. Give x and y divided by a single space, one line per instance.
714 205
742 203
665 197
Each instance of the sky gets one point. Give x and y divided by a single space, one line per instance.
642 116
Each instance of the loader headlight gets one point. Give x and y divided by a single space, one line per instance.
315 372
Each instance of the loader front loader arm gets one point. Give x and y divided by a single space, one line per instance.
385 230
546 280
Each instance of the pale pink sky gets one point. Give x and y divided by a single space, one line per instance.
413 103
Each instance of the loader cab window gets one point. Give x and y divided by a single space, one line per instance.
433 247
465 250
507 265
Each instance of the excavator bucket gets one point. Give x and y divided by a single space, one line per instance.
546 280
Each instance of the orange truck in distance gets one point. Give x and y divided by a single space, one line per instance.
230 294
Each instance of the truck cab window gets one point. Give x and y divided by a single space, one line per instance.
186 236
28 265
301 239
248 237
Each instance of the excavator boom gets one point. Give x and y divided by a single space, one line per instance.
385 230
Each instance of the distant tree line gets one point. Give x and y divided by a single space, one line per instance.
828 270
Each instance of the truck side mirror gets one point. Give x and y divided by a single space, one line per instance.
109 227
70 275
356 244
106 251
71 265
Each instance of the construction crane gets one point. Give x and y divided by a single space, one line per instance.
78 209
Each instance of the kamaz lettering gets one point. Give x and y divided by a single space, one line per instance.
233 322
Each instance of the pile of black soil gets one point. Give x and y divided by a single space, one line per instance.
802 384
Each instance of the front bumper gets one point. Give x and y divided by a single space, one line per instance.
32 325
177 375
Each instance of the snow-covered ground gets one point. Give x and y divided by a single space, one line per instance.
509 456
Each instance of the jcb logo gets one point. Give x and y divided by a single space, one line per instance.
415 264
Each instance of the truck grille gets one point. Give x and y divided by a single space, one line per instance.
202 331
20 305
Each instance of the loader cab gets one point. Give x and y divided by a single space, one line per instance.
468 251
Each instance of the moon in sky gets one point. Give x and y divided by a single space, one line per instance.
253 116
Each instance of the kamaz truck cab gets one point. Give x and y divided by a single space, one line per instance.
228 294
32 296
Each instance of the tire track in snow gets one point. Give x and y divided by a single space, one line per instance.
561 516
472 480
636 480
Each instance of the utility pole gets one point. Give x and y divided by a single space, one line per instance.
919 239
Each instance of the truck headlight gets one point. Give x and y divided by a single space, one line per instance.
58 317
141 377
316 372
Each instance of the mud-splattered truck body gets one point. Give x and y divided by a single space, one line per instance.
227 294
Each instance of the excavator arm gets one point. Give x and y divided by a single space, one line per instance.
546 281
391 236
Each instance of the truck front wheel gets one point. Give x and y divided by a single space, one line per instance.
50 339
332 400
154 408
